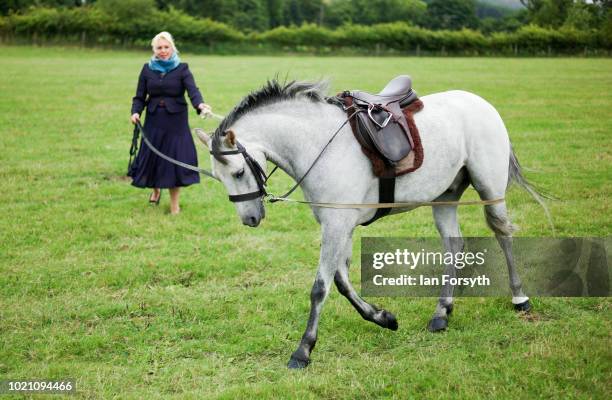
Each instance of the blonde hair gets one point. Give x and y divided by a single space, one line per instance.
165 36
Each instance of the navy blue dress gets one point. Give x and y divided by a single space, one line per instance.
167 127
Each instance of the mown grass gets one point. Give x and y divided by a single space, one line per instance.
135 303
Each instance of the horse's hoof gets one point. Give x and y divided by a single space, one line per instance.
437 324
389 321
523 307
295 363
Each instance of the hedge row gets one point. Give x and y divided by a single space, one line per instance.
103 28
94 26
403 37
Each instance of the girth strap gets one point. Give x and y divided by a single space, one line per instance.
386 194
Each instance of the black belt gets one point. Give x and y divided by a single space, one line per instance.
386 194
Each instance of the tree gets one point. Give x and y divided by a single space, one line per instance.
580 16
547 13
252 15
276 12
293 13
570 13
7 6
369 12
452 14
127 10
339 12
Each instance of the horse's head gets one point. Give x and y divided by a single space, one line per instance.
242 173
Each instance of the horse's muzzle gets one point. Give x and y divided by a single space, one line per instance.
251 221
254 219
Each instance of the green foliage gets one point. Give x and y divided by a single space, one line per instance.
606 31
580 16
307 34
275 13
487 10
569 13
251 16
188 29
135 22
452 14
12 6
127 11
54 21
5 27
117 21
370 12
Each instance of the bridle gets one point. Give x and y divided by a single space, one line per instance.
258 172
256 169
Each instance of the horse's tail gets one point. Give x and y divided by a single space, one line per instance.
515 175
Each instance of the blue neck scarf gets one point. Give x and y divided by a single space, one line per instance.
164 66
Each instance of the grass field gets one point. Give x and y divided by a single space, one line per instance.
134 303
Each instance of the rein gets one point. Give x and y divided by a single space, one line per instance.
261 178
274 199
162 155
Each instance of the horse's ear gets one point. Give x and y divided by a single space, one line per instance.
203 136
230 138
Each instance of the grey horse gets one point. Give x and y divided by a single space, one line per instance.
464 140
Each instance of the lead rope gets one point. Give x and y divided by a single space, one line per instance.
395 205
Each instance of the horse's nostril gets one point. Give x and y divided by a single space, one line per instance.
252 220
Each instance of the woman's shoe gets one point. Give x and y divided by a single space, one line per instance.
156 202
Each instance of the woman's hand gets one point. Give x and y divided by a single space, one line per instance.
135 118
204 108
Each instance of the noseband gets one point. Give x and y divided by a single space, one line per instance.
256 169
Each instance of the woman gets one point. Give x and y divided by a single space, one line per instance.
161 88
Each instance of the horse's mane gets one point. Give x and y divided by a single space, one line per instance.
272 92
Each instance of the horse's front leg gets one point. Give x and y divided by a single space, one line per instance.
368 311
334 242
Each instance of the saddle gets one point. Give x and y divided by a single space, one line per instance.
383 124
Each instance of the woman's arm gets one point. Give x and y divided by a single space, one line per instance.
192 90
138 101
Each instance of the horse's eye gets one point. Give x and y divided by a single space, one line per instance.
239 174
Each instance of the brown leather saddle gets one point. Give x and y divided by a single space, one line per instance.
383 125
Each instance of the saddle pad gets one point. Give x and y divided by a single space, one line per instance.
409 163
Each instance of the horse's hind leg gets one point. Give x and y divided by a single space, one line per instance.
498 221
368 311
448 227
447 224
